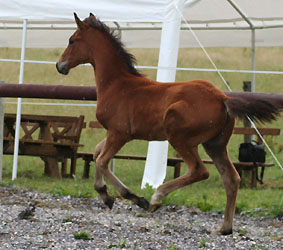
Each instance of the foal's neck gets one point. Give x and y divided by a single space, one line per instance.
108 63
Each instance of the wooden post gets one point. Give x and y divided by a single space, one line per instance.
51 167
1 133
247 88
246 176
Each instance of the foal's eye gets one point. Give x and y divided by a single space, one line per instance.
71 41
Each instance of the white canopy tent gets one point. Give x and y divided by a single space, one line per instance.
257 22
218 24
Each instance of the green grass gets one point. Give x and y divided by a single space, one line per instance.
266 200
82 236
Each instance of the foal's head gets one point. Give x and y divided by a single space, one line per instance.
77 51
90 39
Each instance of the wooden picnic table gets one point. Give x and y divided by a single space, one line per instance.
53 138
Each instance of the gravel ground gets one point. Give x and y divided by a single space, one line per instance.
32 220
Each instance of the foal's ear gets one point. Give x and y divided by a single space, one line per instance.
79 23
91 16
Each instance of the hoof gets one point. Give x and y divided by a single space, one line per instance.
155 207
143 203
222 231
109 203
227 232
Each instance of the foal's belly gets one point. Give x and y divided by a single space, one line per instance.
150 136
149 133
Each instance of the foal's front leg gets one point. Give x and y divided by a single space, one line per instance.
99 183
111 146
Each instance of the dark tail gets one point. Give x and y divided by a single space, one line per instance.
256 110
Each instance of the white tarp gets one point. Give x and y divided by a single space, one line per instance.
107 10
205 12
156 160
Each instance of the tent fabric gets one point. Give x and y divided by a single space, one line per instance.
198 11
107 10
221 11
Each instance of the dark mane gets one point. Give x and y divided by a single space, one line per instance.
128 58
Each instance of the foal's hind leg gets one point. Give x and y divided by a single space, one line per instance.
111 146
217 150
98 149
181 133
196 172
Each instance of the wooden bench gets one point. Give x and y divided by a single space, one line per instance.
53 138
176 161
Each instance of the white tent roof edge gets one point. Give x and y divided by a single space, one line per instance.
106 10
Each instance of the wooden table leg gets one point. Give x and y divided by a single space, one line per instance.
64 168
51 167
253 177
177 170
73 166
86 168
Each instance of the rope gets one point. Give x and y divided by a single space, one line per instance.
202 47
221 76
265 143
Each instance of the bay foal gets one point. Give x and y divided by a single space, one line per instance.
130 106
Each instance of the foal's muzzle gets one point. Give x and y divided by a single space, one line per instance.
62 67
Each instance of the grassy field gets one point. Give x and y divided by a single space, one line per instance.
266 200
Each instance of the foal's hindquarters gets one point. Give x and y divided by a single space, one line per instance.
185 136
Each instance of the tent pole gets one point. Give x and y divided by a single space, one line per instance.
253 78
156 162
19 107
241 13
253 61
252 27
